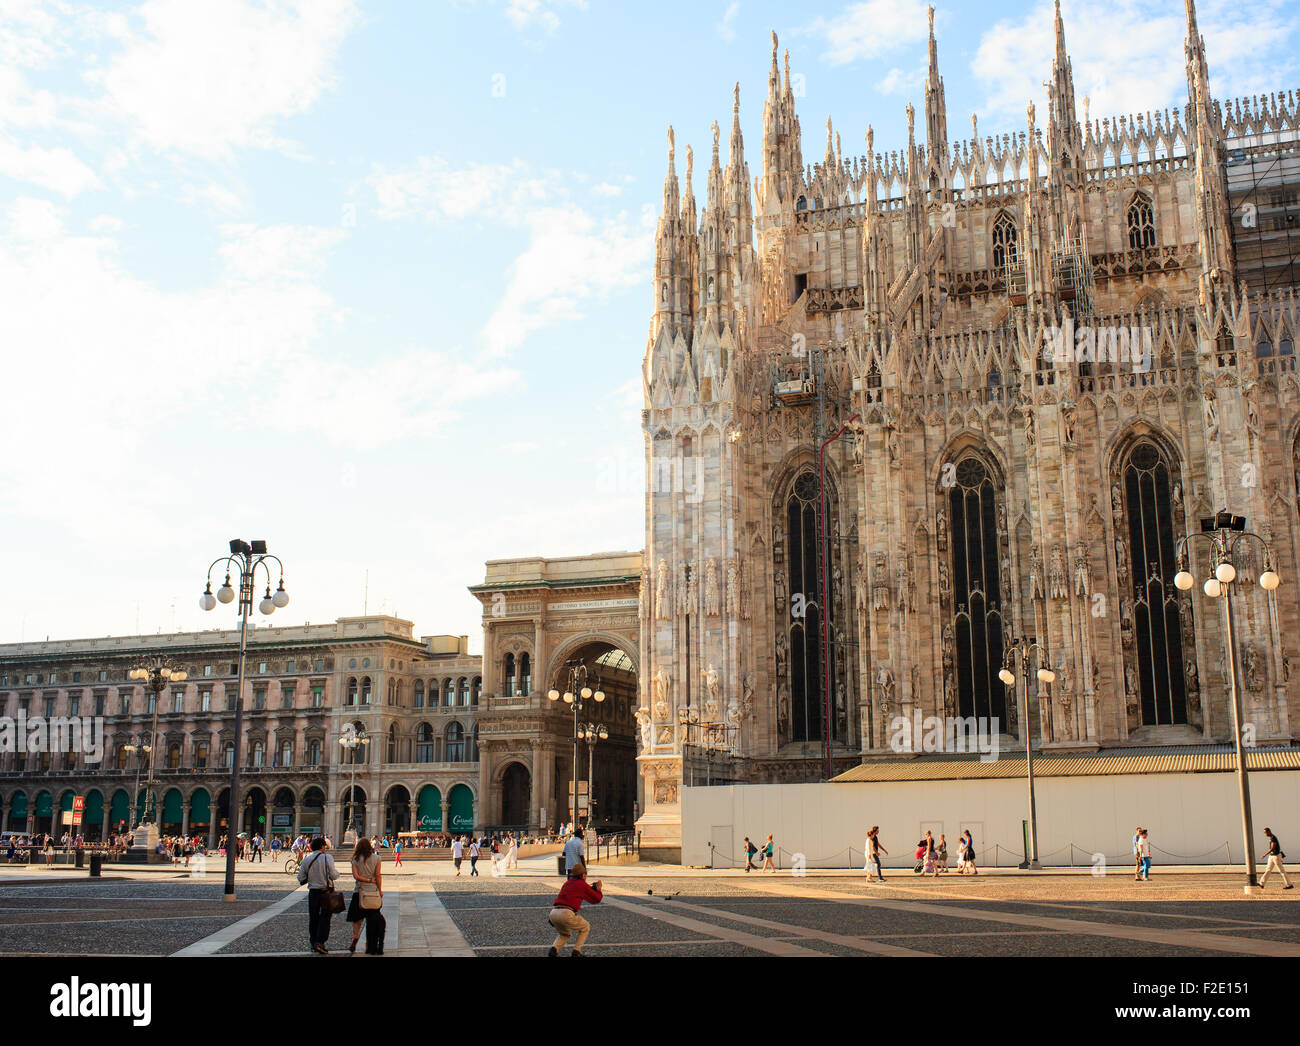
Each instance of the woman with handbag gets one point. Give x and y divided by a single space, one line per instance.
367 899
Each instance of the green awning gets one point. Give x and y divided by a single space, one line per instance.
430 809
121 809
172 807
65 801
94 812
461 808
18 807
200 809
44 804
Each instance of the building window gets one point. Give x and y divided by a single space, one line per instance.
1141 223
287 694
207 670
424 744
261 668
259 699
320 665
1006 241
509 675
201 755
228 754
352 691
286 753
433 693
455 743
126 704
288 667
103 676
49 707
1157 613
800 616
464 692
259 753
174 757
365 690
76 677
318 697
153 703
99 704
178 703
525 675
419 693
313 753
74 706
205 701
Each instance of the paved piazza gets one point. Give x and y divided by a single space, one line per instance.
656 911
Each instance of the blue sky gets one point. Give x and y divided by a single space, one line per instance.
371 279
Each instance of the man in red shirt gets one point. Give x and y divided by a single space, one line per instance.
565 915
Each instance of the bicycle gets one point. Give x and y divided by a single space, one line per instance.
291 862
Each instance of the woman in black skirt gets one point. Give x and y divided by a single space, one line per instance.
356 914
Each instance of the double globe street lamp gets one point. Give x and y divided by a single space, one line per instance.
592 733
1019 650
352 739
156 675
244 561
577 694
1225 532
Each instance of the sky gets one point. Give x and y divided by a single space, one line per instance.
370 280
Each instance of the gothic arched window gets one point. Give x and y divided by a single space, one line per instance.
424 744
525 675
391 755
974 634
508 672
1157 614
802 616
1006 241
1141 223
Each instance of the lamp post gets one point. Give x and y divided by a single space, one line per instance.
352 740
1225 532
592 733
1019 649
136 744
577 694
156 675
245 559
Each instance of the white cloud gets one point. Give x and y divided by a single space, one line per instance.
276 255
524 14
727 27
429 188
59 170
1127 56
570 257
870 29
899 81
606 189
204 79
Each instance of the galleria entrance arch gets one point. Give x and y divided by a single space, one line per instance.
541 619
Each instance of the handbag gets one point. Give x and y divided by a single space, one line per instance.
332 901
372 902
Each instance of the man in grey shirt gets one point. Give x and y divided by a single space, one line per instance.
318 872
575 851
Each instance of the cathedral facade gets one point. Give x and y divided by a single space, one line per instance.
907 410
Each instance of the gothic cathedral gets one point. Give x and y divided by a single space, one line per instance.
907 412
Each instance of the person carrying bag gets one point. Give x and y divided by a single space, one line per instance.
368 900
318 874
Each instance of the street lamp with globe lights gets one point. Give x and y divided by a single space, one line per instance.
157 674
577 694
1018 649
352 739
137 744
244 560
592 733
1225 532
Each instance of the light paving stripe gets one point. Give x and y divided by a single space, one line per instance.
719 933
1170 938
861 944
213 944
430 930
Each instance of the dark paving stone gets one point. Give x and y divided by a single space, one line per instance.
158 937
609 924
675 951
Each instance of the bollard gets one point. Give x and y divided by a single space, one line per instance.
559 864
96 864
81 859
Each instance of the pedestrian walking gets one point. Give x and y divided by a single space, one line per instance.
318 872
1275 858
512 854
768 852
566 914
750 850
473 856
397 854
367 899
968 852
575 852
1137 853
1144 855
928 867
941 854
874 850
457 853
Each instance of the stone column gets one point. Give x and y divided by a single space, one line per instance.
446 815
297 819
326 819
415 819
185 818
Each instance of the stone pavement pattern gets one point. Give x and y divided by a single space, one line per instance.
650 914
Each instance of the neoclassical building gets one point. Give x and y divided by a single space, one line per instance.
417 700
873 462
